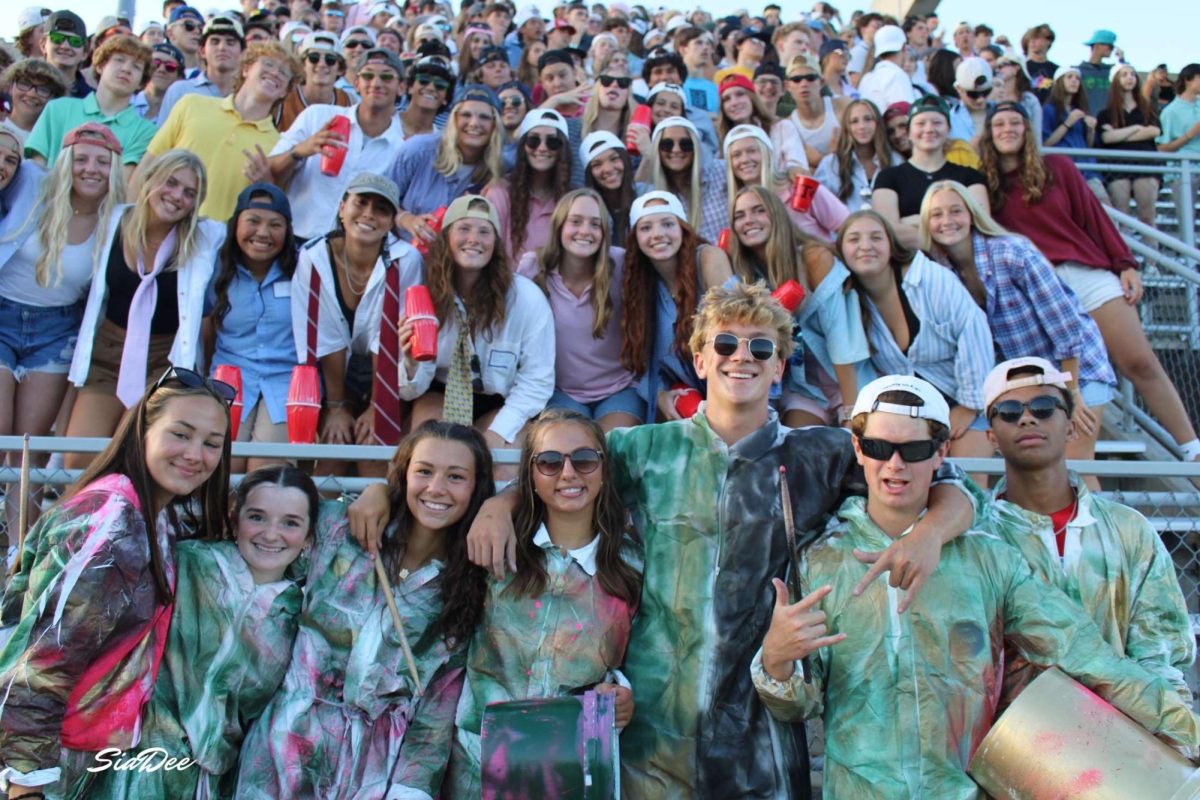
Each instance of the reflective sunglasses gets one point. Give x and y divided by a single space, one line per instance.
685 145
170 67
356 43
1041 407
806 78
977 94
42 90
316 58
726 344
441 84
553 142
58 37
368 76
194 380
910 452
609 80
512 102
585 460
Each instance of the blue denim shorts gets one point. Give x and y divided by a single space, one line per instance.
626 401
38 338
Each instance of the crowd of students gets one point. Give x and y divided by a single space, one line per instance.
598 205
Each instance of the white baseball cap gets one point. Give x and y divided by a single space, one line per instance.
527 13
543 118
321 41
672 206
933 405
889 39
740 132
674 122
663 86
998 381
598 142
1064 69
31 17
973 74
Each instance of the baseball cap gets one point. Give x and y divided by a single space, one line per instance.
769 68
321 41
294 31
543 117
598 142
663 86
223 24
147 25
998 381
357 31
933 405
1112 73
371 183
1102 36
278 202
527 13
493 52
478 93
471 206
93 133
740 132
110 22
385 55
889 39
563 25
929 103
832 46
555 57
639 210
1064 69
678 21
67 22
973 74
674 122
735 80
169 50
31 17
391 9
180 13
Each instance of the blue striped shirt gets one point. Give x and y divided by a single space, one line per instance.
953 349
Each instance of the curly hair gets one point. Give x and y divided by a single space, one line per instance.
36 71
845 146
1034 177
520 188
639 292
602 267
488 297
125 45
609 519
463 585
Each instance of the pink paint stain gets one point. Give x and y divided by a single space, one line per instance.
1088 779
1049 743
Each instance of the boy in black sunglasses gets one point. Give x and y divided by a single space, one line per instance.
1103 554
907 698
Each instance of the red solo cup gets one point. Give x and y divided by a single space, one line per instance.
227 373
725 239
803 191
333 156
790 295
436 226
418 307
687 403
641 116
303 404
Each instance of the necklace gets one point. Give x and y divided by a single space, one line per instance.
356 288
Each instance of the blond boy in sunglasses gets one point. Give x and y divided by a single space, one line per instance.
906 698
1103 555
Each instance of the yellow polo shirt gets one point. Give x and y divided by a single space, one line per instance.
212 129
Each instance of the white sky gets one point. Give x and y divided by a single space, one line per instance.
1154 32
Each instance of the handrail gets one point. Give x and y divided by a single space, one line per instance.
1149 232
1124 155
1163 262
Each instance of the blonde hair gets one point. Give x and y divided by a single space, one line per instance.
745 303
768 176
268 49
602 266
449 158
135 226
980 218
658 176
592 109
54 204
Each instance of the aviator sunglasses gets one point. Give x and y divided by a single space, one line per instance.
585 460
1041 407
726 344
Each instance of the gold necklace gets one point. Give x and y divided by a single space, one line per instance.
349 273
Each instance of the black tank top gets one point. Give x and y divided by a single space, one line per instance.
122 283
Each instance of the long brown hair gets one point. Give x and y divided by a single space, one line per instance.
1116 102
639 298
788 248
1063 102
602 265
486 304
624 196
126 455
759 116
844 147
899 258
609 519
463 585
520 188
1035 178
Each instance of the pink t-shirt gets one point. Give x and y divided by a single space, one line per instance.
537 231
823 219
586 368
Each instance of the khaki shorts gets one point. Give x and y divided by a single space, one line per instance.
257 426
106 358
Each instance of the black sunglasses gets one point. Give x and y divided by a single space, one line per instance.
685 145
1041 407
194 380
329 58
553 142
977 94
356 43
609 80
441 84
512 102
726 344
585 461
189 26
807 77
910 452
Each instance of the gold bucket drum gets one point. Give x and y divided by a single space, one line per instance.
1059 740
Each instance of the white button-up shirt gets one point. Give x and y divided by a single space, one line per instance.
315 196
887 83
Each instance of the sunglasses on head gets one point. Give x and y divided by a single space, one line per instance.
357 43
58 37
726 344
609 80
441 84
553 142
685 145
585 460
977 94
1041 407
805 78
910 452
166 66
194 380
316 58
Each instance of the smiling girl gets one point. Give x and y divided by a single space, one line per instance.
673 164
232 631
560 624
93 593
609 171
860 152
348 721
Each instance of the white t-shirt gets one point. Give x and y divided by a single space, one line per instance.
18 281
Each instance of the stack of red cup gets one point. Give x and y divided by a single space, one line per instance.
227 373
790 295
333 156
418 309
303 404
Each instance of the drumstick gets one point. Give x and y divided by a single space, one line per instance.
23 493
381 573
789 529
